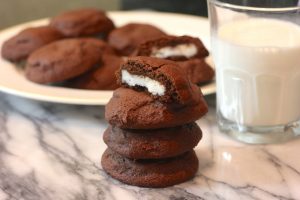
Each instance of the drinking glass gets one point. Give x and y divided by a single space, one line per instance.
256 53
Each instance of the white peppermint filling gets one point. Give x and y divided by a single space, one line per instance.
186 50
153 86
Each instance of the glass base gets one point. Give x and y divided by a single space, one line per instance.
259 134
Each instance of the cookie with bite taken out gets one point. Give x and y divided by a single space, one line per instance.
156 93
163 79
173 48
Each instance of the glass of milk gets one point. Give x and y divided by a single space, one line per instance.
256 52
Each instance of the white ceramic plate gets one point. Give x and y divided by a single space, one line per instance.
13 81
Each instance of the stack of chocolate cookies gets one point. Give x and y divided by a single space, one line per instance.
152 129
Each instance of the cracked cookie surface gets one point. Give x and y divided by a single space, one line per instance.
137 110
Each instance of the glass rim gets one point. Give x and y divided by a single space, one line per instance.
253 8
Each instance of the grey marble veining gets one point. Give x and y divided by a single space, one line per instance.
53 151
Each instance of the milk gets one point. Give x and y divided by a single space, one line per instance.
258 71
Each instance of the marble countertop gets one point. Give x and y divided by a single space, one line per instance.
53 151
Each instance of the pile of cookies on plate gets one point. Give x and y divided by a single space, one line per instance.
152 129
83 49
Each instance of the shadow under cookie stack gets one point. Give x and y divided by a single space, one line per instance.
152 129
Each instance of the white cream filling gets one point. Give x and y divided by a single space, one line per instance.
153 86
186 50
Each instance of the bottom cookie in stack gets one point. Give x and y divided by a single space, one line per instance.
150 172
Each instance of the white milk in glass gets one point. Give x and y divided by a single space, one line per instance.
258 71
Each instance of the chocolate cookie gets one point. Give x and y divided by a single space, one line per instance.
197 70
153 144
20 46
137 110
173 48
64 59
150 173
161 78
83 22
127 38
102 77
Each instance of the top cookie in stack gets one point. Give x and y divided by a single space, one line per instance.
152 131
156 93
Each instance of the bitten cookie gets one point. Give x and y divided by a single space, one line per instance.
153 144
64 59
163 79
150 173
173 48
197 70
137 110
125 39
83 22
20 46
102 77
